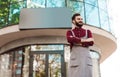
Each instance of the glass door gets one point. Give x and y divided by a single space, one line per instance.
54 69
38 65
47 64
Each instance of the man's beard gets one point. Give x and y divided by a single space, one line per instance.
79 24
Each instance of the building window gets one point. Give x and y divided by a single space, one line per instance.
36 3
92 2
92 16
76 7
14 12
45 3
102 4
11 64
94 12
5 66
55 3
104 20
46 47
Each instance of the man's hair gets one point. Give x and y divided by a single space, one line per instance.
74 15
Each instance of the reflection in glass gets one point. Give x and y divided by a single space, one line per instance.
102 4
35 3
55 3
19 65
4 12
39 65
26 64
5 66
76 7
14 12
92 17
92 2
104 22
95 54
10 10
54 65
46 47
18 71
11 64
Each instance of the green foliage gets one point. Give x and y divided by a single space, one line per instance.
9 12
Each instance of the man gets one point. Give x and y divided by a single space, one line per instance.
80 39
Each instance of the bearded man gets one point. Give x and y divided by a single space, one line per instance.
80 39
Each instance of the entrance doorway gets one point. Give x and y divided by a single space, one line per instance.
47 64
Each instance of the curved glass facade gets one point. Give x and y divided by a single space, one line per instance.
94 12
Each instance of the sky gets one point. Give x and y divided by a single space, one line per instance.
111 66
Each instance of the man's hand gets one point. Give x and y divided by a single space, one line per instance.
87 40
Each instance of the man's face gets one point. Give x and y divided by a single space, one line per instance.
78 21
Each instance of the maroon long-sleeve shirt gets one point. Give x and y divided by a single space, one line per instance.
79 33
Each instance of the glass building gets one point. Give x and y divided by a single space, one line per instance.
94 12
24 52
